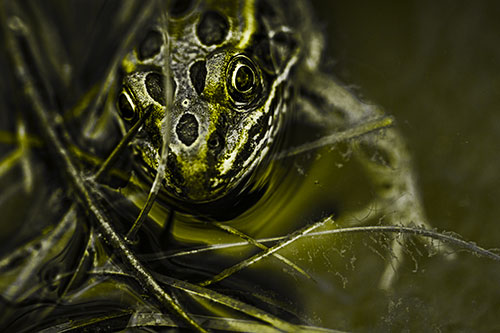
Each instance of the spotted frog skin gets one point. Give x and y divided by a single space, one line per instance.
230 65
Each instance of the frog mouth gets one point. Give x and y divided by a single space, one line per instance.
190 179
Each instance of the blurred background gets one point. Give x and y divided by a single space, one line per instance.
435 66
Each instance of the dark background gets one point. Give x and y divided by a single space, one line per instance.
435 66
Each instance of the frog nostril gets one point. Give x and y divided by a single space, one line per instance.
215 143
187 129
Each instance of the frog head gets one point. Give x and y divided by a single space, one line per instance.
228 70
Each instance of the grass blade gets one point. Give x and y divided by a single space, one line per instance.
259 256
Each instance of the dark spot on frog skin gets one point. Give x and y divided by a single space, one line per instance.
187 129
198 74
150 45
212 28
179 8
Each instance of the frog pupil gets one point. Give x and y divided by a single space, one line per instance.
243 79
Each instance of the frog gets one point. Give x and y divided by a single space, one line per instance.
218 84
229 77
229 73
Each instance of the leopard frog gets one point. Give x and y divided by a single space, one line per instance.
231 66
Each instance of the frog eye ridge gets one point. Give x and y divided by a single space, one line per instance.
243 81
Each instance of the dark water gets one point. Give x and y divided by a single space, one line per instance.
434 66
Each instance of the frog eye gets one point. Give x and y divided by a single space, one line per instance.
126 107
243 80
